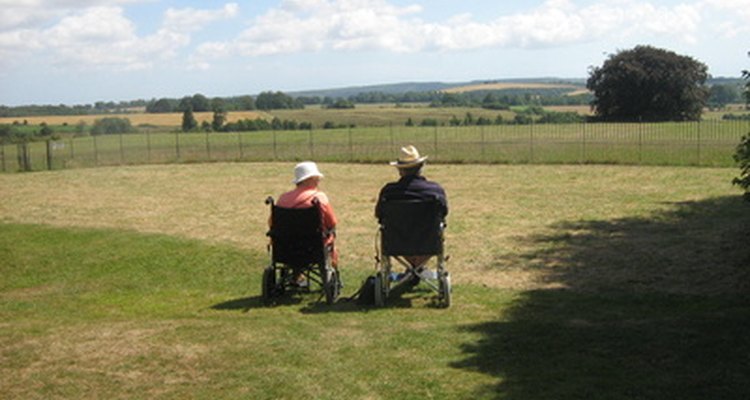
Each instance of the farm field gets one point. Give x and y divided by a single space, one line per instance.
570 282
708 143
160 120
575 89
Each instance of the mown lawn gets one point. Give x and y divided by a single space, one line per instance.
570 282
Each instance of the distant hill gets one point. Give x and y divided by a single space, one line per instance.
393 88
573 85
478 85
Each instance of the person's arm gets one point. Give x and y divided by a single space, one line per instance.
329 216
377 204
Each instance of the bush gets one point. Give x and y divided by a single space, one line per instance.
111 126
742 157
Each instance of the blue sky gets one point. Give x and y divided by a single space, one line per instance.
83 51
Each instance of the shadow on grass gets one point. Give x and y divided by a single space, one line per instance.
400 297
642 308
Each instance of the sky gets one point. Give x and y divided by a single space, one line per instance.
84 51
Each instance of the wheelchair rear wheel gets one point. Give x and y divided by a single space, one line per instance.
380 289
444 282
269 289
331 284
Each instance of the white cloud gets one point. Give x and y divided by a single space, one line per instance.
90 33
341 25
740 9
189 19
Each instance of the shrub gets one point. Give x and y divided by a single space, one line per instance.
742 157
110 126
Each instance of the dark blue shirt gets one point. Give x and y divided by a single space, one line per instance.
413 187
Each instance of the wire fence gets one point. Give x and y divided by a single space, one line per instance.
706 143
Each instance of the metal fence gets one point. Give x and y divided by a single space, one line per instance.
706 143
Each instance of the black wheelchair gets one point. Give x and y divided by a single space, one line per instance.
297 247
411 228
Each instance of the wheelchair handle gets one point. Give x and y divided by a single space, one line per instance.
269 200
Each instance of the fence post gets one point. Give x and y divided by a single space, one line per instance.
177 145
122 151
275 156
436 141
311 145
72 152
531 142
583 144
148 146
481 143
49 154
2 155
96 152
699 142
640 141
208 147
24 163
239 144
351 145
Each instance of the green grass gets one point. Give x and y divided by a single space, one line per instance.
641 290
710 143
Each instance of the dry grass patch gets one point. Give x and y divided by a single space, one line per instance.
511 85
496 210
166 119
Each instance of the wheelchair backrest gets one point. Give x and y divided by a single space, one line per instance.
411 227
297 235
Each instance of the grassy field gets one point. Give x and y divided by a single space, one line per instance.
609 282
173 120
709 143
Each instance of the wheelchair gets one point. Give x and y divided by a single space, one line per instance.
411 228
297 246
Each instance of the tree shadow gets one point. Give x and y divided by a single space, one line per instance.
645 308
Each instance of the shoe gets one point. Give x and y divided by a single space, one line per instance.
426 273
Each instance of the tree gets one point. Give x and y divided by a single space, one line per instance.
649 84
276 101
246 103
220 113
200 103
162 105
188 120
341 104
721 95
111 126
742 154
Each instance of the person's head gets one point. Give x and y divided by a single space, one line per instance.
306 174
409 161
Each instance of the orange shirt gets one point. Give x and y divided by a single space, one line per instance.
302 197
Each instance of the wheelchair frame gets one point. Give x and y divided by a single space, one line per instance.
278 276
383 285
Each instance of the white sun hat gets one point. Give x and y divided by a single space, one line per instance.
409 158
305 170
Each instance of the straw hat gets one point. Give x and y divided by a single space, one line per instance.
305 170
409 158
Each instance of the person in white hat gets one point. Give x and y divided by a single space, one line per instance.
306 180
412 186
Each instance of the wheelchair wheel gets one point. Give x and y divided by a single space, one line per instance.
268 290
379 290
331 285
444 282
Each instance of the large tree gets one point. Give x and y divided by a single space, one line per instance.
649 84
742 154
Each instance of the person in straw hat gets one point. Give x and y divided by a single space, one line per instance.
306 180
412 186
